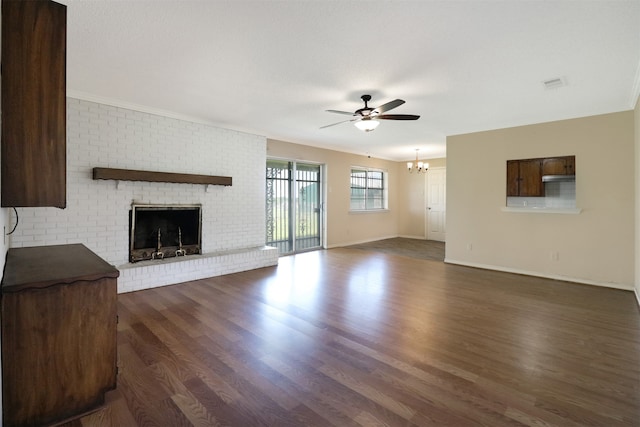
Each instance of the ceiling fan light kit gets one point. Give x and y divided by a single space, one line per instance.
367 118
366 125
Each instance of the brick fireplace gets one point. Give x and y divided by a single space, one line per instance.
97 213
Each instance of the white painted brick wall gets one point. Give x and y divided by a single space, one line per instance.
97 213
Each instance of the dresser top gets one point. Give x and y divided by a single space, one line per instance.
43 266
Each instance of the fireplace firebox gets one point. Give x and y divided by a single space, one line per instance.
164 231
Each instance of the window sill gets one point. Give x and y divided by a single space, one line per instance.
368 211
570 211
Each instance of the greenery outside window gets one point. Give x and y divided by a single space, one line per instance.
368 189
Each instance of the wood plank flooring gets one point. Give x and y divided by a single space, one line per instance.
347 337
415 248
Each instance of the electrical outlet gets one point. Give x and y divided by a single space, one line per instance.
469 247
555 256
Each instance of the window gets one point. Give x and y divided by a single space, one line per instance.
368 189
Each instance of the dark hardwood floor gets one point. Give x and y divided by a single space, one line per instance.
415 248
347 337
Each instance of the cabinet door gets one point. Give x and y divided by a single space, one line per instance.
554 166
33 103
58 351
559 165
513 178
571 165
531 178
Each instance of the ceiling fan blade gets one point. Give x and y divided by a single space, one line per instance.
333 124
389 105
340 112
397 117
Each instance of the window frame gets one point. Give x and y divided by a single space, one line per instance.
368 200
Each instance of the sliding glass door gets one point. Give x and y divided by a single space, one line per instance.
293 206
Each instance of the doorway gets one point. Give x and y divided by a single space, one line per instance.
293 206
436 204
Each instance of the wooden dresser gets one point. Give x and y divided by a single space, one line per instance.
58 333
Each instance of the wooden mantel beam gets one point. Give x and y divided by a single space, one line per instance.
149 176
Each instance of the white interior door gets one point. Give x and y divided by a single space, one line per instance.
436 203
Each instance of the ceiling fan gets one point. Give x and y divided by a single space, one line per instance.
366 119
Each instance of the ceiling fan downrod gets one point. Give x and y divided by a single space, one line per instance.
366 111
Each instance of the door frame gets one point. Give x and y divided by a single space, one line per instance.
293 200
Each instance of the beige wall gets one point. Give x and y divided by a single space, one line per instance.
406 216
411 200
595 246
636 130
6 226
345 227
4 221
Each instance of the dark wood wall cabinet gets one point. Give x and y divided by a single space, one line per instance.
33 103
58 333
525 178
559 165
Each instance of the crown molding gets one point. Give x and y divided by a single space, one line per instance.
84 96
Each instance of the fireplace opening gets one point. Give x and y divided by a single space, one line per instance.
164 231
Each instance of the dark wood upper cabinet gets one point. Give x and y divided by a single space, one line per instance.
33 103
559 165
513 178
524 178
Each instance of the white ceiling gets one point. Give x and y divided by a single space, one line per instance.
273 67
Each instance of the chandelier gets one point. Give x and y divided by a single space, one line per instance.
419 167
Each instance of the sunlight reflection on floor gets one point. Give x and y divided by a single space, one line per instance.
299 282
296 281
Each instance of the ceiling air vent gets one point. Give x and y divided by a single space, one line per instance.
553 83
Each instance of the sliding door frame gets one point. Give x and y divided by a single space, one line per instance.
299 204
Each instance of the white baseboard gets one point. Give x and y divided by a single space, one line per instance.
543 275
420 238
406 236
359 242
